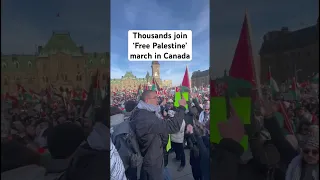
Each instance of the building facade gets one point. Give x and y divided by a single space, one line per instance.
200 78
60 63
290 53
131 82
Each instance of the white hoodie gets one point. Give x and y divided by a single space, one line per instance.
179 136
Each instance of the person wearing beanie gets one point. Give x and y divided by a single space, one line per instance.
62 140
305 165
129 107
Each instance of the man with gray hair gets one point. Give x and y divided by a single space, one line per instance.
151 132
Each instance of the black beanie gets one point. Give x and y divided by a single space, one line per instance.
130 105
64 139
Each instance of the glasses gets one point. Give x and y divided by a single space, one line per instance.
207 109
314 152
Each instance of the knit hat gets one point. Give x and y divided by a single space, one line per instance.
312 141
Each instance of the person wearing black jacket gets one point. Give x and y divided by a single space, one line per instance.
149 128
199 153
225 156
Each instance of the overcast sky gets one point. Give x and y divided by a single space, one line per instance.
26 24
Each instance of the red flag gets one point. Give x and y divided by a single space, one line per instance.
84 94
186 81
21 88
242 65
213 92
286 118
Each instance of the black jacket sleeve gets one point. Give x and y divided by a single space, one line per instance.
284 147
170 126
225 157
196 104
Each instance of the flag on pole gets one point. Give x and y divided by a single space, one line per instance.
294 89
242 66
315 79
185 85
272 83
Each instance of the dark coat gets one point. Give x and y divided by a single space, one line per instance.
150 131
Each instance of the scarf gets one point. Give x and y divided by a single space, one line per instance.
294 170
150 107
203 118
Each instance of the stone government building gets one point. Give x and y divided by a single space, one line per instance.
131 82
200 78
290 52
60 62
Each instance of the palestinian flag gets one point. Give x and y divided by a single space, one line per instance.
155 85
294 90
185 85
315 79
139 91
84 94
272 83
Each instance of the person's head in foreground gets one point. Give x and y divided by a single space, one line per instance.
64 139
150 97
311 150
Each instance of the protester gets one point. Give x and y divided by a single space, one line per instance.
63 141
305 165
148 125
117 171
177 143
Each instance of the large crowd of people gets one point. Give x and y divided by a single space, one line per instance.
41 142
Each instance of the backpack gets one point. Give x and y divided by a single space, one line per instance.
124 139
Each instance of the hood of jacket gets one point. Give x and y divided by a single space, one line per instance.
116 119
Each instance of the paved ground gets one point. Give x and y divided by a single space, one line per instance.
186 174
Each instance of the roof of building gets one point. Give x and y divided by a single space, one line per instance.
200 73
60 42
287 41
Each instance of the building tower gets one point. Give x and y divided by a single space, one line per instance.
155 66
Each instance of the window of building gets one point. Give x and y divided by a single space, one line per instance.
80 77
65 77
30 64
78 66
4 65
90 61
47 79
103 61
103 76
57 77
17 65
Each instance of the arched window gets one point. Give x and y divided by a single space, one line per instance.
65 77
4 65
17 65
103 61
77 77
90 61
30 64
6 81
